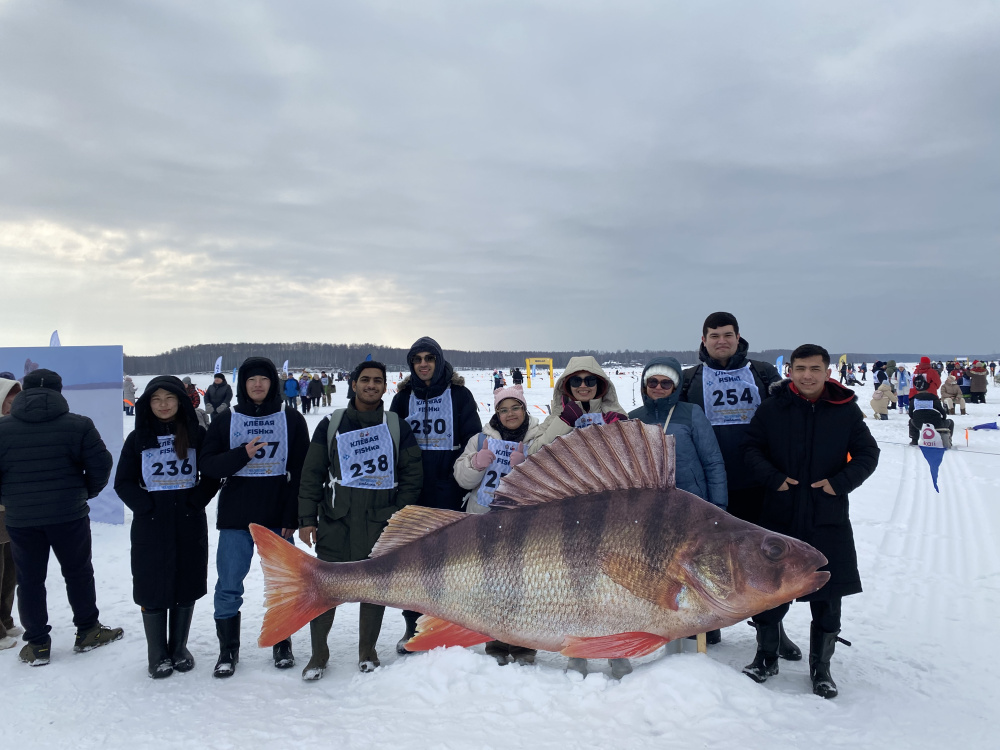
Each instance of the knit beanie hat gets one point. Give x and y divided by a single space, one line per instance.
254 368
43 379
663 371
186 380
513 391
925 360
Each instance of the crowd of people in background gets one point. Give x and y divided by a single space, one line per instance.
771 450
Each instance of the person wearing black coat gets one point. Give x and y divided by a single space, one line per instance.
158 478
51 463
809 446
736 387
218 396
258 448
443 415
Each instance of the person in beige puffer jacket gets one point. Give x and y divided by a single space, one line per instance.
951 395
880 400
581 404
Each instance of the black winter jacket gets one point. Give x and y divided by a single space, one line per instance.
217 395
731 436
440 489
51 461
169 528
268 501
810 441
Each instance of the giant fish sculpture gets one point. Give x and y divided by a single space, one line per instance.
591 551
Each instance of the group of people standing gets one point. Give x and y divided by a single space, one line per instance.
780 453
311 391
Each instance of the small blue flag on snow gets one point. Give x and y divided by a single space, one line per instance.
932 446
987 426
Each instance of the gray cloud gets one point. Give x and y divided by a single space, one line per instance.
500 174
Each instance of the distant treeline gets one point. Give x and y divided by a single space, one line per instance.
201 358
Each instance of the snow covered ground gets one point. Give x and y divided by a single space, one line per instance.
921 673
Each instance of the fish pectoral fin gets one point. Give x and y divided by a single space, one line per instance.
412 523
618 646
643 580
433 632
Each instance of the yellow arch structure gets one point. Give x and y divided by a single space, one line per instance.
539 361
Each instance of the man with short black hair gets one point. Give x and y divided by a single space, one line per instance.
51 463
809 447
354 479
729 388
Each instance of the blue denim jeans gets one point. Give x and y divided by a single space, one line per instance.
232 561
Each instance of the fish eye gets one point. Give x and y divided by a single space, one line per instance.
774 548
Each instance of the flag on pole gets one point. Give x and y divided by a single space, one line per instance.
54 339
932 446
236 372
780 363
284 367
218 365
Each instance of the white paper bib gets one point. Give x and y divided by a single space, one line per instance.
269 460
366 458
435 429
731 396
163 470
586 420
495 471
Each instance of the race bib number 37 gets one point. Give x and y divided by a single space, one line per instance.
163 470
270 459
731 396
432 422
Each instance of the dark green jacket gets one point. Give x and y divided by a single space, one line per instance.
351 520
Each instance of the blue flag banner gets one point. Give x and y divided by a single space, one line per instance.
54 339
218 365
932 446
236 371
987 426
779 363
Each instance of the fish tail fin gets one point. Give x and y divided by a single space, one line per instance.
292 593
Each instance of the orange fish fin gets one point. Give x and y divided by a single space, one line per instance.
412 523
618 646
433 632
643 580
618 456
290 594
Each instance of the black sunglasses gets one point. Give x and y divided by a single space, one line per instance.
576 381
664 384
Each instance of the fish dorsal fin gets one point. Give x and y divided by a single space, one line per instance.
412 523
599 458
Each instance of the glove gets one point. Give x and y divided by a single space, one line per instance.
517 457
571 411
483 458
613 416
221 408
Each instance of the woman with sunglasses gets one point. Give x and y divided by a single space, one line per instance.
488 457
158 478
583 395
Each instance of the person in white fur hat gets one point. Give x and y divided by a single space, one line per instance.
488 457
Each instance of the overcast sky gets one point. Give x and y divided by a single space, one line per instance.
498 175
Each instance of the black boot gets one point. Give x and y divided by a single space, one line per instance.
787 649
765 663
369 626
180 626
282 653
411 629
821 648
499 651
155 624
229 646
319 630
713 637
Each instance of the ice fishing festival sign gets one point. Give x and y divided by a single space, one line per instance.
92 385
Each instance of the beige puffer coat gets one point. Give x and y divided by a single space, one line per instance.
880 399
605 401
951 390
469 477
